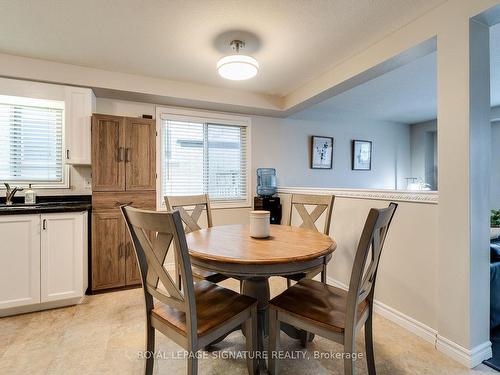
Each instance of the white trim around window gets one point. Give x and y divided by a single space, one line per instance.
34 112
206 117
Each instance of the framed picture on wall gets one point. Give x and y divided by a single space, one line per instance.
361 155
321 152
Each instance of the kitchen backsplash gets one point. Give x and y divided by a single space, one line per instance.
80 183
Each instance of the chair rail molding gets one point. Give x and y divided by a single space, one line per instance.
427 197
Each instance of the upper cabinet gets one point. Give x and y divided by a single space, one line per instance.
140 155
123 153
108 153
79 104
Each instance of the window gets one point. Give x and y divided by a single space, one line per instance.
204 156
31 140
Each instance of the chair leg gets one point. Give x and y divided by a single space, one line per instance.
251 342
370 356
305 337
274 342
323 274
192 365
150 348
349 348
288 283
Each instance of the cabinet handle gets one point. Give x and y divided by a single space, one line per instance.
44 224
67 154
128 151
120 250
120 153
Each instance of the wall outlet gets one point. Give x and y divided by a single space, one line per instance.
87 183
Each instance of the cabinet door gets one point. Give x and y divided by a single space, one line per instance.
132 273
19 260
62 256
140 154
108 153
108 249
79 103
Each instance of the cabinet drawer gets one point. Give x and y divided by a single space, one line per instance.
106 201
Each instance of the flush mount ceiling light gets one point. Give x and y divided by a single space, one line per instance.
237 67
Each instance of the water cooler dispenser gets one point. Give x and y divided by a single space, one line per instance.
266 191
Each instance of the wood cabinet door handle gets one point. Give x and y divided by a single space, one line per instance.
120 250
120 153
128 151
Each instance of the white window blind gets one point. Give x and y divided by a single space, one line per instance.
31 143
202 157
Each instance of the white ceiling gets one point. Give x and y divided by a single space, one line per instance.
297 39
407 94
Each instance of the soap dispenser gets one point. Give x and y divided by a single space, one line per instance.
29 196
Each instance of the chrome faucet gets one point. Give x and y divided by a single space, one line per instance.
9 193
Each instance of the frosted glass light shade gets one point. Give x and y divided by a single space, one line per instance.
237 67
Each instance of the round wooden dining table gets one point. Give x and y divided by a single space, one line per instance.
230 250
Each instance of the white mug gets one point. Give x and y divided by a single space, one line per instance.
260 224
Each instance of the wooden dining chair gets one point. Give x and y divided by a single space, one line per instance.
199 203
200 313
321 204
332 312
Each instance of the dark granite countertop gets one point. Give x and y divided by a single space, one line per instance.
46 204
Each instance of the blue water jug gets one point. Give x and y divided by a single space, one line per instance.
266 182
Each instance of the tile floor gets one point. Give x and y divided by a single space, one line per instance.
105 334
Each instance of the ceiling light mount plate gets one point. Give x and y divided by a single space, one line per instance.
237 67
236 45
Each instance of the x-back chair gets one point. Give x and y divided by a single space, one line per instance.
199 203
321 204
200 313
332 312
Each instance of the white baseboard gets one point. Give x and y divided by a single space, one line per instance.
469 358
414 326
421 330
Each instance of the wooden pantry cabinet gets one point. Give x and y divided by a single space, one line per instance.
123 153
123 172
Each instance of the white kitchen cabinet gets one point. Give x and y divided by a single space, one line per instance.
19 260
43 261
62 251
79 105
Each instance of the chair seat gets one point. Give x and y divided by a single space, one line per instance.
318 303
214 305
213 277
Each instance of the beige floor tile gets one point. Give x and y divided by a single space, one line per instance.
105 334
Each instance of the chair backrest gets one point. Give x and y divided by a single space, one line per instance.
321 202
198 202
151 256
364 274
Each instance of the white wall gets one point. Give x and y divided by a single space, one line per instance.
285 145
495 165
419 151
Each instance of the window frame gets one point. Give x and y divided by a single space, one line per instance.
50 103
169 113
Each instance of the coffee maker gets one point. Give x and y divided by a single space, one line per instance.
266 198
